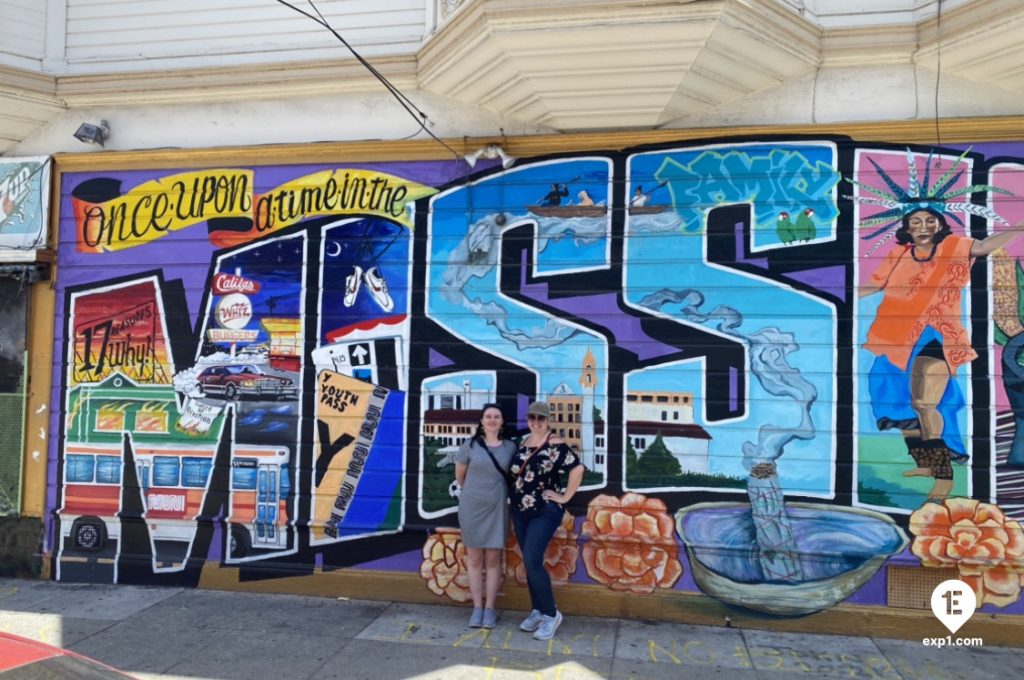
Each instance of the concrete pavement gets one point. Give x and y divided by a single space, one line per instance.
176 633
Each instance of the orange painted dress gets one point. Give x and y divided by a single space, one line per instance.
921 294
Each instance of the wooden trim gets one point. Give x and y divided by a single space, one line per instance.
42 311
954 130
594 600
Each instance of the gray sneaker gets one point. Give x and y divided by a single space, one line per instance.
489 620
476 619
531 622
548 626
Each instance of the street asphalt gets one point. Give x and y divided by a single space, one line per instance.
187 634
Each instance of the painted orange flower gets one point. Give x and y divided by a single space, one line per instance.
632 543
977 538
559 559
444 565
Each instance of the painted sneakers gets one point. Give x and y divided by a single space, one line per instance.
352 283
378 289
375 285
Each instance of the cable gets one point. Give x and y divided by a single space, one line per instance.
419 116
938 70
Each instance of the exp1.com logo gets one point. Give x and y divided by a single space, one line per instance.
953 603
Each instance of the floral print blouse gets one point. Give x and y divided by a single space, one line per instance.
533 474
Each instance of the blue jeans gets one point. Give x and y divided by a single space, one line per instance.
534 531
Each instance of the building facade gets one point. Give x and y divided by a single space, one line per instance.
260 350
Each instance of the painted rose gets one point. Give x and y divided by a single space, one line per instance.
444 565
631 544
559 559
977 538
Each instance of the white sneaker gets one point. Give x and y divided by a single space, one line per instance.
532 622
548 626
352 283
378 288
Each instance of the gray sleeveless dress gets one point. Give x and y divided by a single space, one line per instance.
483 512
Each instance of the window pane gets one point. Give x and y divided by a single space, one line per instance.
243 478
286 484
195 471
79 468
108 469
165 471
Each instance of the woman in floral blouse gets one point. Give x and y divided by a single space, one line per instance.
545 473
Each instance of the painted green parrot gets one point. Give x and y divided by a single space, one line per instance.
785 229
805 229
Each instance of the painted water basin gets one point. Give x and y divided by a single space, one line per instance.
839 549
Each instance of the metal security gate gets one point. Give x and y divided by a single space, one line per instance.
13 379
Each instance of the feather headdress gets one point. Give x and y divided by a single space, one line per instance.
919 194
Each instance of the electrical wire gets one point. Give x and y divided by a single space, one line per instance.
938 70
419 116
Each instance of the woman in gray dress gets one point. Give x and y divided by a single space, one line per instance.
483 509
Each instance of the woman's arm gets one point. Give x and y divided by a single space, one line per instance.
994 242
460 473
575 478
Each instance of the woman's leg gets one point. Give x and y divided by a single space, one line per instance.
915 448
519 526
539 529
475 562
928 381
929 378
492 565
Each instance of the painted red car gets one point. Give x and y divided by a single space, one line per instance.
25 659
235 380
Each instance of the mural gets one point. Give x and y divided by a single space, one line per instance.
774 358
24 202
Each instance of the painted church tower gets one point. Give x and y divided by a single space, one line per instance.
592 458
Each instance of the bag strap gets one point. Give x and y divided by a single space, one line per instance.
546 442
503 473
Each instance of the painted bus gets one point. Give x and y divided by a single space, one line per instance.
173 482
260 485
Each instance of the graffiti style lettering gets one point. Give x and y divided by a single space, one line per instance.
693 315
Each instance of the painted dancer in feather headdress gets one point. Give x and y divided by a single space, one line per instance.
918 334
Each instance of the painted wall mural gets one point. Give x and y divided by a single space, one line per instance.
24 202
786 364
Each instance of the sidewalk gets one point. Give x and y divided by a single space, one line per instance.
204 634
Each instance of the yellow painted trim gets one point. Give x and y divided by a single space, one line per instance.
594 600
42 305
946 131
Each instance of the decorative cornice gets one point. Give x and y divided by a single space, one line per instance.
574 64
870 46
27 83
906 132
